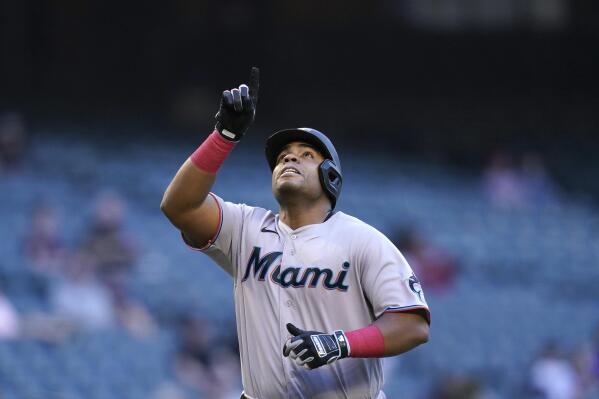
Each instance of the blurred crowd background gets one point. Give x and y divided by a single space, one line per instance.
468 131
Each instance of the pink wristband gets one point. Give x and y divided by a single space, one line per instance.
366 342
212 153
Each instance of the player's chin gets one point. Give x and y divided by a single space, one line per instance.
286 188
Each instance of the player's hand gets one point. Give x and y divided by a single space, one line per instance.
312 349
238 108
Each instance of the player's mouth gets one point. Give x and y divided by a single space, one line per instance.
289 171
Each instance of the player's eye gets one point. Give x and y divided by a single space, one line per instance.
308 154
280 158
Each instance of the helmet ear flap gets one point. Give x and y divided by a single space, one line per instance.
330 179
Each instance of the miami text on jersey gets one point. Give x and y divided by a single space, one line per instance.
293 276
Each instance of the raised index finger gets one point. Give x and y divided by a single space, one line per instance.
254 84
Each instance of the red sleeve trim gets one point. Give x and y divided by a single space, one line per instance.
410 309
215 237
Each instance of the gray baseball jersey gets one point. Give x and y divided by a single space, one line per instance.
340 274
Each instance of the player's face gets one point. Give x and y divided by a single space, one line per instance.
296 172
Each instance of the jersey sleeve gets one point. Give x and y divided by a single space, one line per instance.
387 279
224 246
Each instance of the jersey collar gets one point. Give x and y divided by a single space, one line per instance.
308 231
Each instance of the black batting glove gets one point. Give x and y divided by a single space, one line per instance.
312 349
238 108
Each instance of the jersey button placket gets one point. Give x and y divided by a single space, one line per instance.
293 238
289 305
294 243
285 305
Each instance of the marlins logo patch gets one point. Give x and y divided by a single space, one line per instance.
415 286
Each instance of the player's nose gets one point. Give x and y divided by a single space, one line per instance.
290 158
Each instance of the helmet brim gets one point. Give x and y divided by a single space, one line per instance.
277 142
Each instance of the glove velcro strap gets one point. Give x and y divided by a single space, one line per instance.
229 135
344 349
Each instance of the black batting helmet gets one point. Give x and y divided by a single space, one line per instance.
329 170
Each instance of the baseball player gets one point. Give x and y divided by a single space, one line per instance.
320 296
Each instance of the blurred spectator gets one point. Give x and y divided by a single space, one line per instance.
134 317
459 386
9 319
12 141
226 374
42 245
194 358
107 248
168 390
582 361
503 183
552 376
595 356
46 327
82 300
435 268
110 254
539 188
37 326
205 362
512 186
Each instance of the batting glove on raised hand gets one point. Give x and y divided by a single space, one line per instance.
313 349
238 108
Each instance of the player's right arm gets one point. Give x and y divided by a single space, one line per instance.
186 202
188 206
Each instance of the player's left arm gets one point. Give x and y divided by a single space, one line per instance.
390 335
402 332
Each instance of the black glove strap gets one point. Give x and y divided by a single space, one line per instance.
343 344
